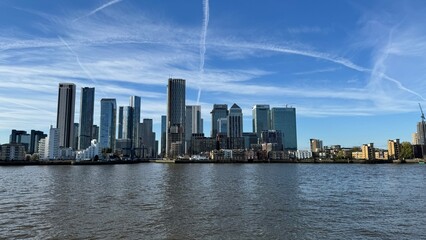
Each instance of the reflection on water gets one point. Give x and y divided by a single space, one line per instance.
213 201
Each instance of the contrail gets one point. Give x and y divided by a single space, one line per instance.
203 43
98 9
79 63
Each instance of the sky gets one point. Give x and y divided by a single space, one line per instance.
354 70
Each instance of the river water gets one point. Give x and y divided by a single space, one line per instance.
213 201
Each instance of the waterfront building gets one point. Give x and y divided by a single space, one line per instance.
414 139
147 148
95 132
201 144
219 111
87 101
303 154
163 134
192 124
12 152
35 137
65 114
124 148
284 119
316 145
235 128
53 143
90 153
135 104
42 149
261 119
250 138
394 148
21 137
368 151
381 155
175 117
272 137
107 123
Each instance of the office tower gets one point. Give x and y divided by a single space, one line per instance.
87 102
175 117
108 121
222 126
421 135
36 136
53 143
235 127
163 134
125 123
219 111
95 132
147 143
261 119
135 103
65 114
284 119
394 149
316 145
75 132
192 124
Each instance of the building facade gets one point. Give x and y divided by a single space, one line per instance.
87 102
284 119
108 121
219 111
65 114
192 124
175 117
261 119
135 104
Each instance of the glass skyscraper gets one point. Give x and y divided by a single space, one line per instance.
219 111
284 119
86 117
261 119
108 121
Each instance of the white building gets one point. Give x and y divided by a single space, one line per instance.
90 152
53 144
42 148
303 154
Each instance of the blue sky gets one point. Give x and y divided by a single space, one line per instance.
354 70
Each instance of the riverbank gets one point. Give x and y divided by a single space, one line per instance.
187 161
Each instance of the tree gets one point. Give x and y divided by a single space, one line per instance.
406 151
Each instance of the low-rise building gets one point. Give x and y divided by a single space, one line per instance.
12 152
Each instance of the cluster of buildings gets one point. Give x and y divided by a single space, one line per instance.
122 134
274 130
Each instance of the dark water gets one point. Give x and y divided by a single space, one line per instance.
232 201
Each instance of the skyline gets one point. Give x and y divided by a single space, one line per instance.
353 70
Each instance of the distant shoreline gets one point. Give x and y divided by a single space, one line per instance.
305 161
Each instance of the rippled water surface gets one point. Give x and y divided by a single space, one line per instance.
208 201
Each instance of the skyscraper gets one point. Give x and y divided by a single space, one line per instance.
120 122
76 137
65 114
235 127
284 119
261 119
95 132
148 139
86 117
135 103
108 121
192 124
127 123
219 111
163 134
175 117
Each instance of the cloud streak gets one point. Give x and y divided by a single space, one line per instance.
98 9
203 43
